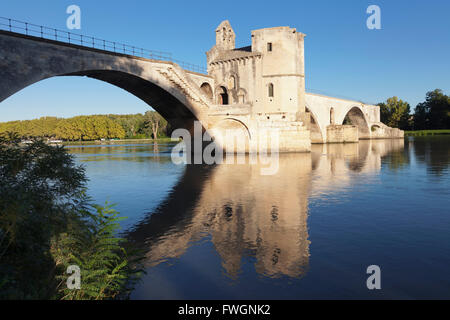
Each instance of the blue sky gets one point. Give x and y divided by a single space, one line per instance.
407 57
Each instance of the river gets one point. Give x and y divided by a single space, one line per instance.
308 232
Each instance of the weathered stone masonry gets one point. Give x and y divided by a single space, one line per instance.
254 92
263 86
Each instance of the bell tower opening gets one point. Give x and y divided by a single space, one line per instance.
225 36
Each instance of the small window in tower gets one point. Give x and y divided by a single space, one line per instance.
269 46
271 90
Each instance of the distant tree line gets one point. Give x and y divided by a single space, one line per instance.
94 127
148 125
433 113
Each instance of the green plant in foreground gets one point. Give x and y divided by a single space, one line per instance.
107 269
48 223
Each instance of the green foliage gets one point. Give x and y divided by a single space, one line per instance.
434 112
43 127
131 123
153 122
40 188
43 205
395 113
78 128
107 270
89 128
427 132
149 125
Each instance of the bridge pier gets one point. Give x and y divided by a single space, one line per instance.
253 98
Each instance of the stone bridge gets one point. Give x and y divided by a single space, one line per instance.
254 92
340 120
165 86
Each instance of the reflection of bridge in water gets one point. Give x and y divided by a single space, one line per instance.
249 215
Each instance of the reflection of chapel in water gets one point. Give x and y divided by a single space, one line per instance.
250 215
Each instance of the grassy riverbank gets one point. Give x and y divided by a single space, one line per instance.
118 141
427 132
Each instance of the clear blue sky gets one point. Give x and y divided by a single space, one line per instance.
407 58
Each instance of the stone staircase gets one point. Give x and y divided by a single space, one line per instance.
179 79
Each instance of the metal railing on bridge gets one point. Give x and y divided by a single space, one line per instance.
43 32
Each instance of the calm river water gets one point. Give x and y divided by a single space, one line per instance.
310 231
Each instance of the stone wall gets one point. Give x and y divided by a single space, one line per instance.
381 131
342 133
292 135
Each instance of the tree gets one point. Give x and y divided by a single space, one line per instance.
131 123
48 223
40 188
154 122
395 113
434 112
87 128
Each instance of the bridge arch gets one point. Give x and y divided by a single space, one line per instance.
159 98
375 128
314 128
162 85
355 116
233 134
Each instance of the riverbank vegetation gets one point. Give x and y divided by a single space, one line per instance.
48 223
432 114
420 133
91 128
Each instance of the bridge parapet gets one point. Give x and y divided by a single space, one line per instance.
43 32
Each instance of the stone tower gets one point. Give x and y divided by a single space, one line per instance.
269 75
260 88
281 84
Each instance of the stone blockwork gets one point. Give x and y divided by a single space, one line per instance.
342 133
254 93
267 81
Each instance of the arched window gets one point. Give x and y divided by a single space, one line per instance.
232 83
270 90
241 96
207 90
222 96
